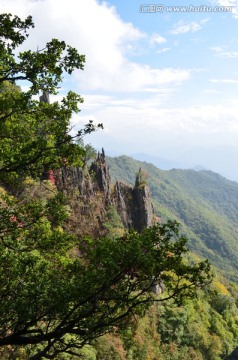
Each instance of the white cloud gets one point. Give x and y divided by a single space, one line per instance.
150 118
211 91
132 77
221 51
162 50
96 30
182 27
230 3
204 21
224 81
159 116
157 39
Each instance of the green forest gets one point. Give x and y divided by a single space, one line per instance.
74 282
203 202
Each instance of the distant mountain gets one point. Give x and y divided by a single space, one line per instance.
160 162
205 204
220 159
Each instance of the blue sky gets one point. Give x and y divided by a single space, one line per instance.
160 82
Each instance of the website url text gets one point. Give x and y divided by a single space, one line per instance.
160 8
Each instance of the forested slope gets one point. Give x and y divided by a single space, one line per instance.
204 203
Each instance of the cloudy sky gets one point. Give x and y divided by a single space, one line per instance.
159 78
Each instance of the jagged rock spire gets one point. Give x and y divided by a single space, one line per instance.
134 205
45 97
101 171
140 178
143 207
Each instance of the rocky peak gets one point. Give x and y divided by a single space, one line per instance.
143 214
100 171
123 199
70 178
45 97
133 204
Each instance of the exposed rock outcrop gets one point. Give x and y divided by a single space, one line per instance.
45 97
123 200
100 170
132 204
143 208
72 178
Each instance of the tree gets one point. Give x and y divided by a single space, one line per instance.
46 294
113 223
89 152
54 299
35 136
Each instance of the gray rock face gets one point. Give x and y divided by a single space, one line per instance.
45 97
133 204
100 170
71 178
123 199
143 208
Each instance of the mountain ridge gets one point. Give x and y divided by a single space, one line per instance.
203 202
220 159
